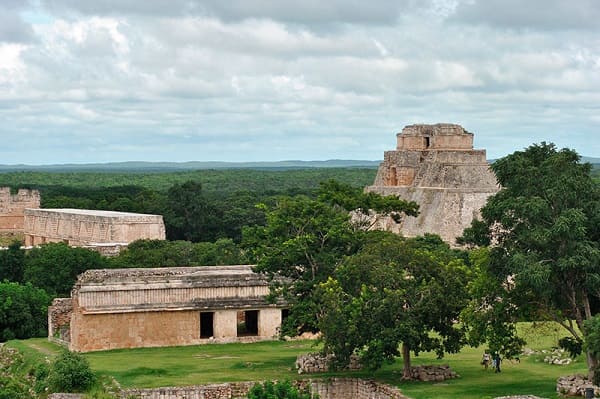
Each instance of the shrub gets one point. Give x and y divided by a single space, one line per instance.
70 372
279 390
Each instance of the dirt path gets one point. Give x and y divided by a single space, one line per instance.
38 348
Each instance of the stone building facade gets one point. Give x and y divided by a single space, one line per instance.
131 308
437 167
83 227
12 208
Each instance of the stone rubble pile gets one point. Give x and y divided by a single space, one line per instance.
318 363
575 385
432 373
557 356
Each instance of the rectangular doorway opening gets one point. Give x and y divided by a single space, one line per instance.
427 143
207 324
247 323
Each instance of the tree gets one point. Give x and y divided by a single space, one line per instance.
544 225
162 253
304 240
23 311
190 215
55 266
393 291
11 262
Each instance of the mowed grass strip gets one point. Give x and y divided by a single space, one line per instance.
201 364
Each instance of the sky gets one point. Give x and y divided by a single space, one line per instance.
256 80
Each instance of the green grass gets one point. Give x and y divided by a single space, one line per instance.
191 365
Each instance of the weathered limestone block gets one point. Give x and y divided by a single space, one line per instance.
436 167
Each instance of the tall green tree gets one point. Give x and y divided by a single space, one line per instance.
544 227
304 240
12 262
23 311
190 215
394 292
55 266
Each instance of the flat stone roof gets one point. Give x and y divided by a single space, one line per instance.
194 275
89 212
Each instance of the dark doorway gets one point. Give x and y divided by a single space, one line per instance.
206 324
427 143
247 323
284 314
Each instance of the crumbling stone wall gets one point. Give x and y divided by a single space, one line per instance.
333 388
12 208
59 319
319 363
575 385
436 167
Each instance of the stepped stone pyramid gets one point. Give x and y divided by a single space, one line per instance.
437 167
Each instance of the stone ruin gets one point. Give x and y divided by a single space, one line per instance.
436 167
84 227
12 208
132 308
575 385
310 363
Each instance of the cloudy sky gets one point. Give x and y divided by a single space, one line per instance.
260 80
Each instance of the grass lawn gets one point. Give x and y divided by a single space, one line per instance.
191 365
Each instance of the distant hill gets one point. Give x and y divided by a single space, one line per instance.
142 166
592 160
194 165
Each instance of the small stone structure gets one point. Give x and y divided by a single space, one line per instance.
437 167
131 308
575 385
12 208
432 373
319 363
333 388
83 227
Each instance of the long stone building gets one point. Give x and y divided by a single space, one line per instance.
437 167
12 208
130 308
83 227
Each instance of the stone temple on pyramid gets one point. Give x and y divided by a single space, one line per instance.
437 167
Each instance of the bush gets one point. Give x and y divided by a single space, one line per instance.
279 390
70 372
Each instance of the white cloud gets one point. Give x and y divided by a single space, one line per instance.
186 80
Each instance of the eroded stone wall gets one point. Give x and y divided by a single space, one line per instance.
59 319
134 330
333 388
12 208
80 227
